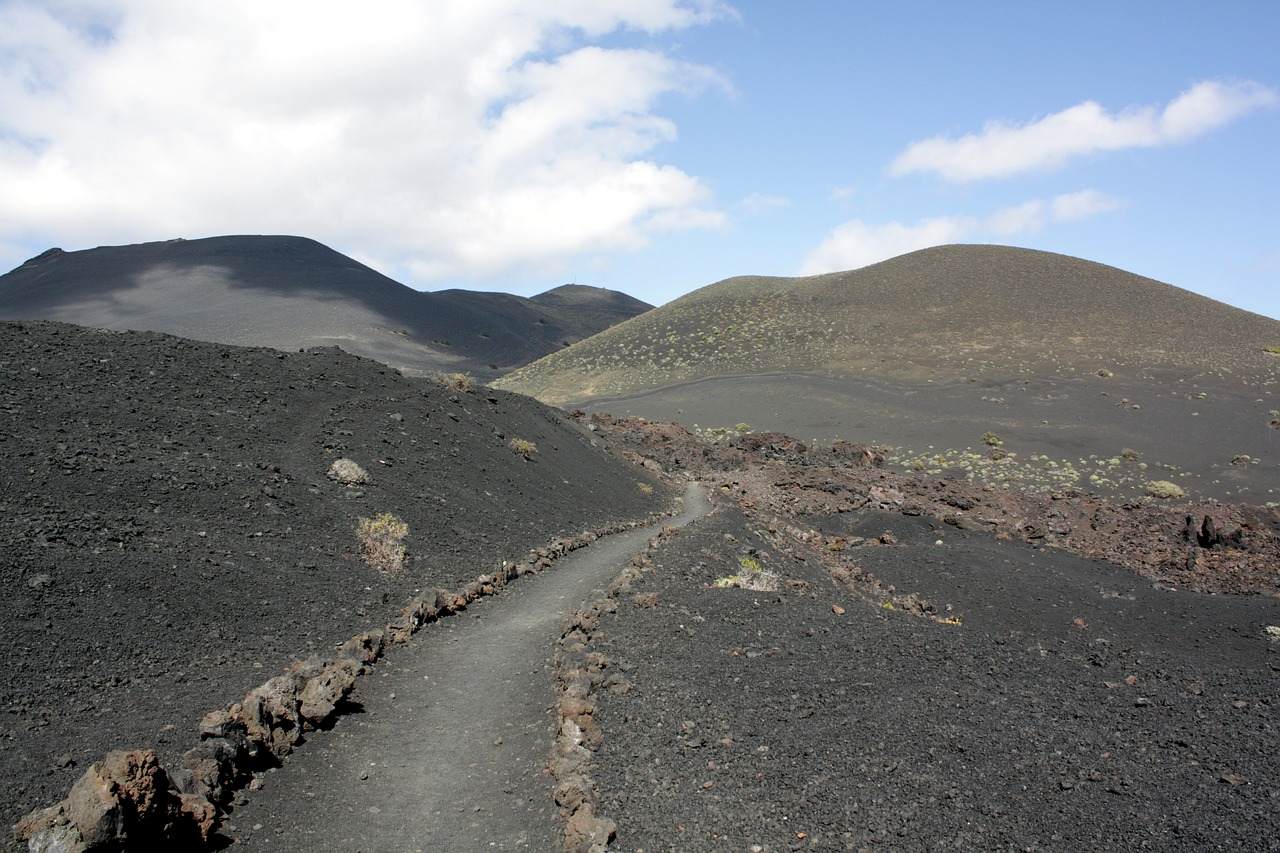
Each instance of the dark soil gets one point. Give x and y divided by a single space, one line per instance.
1074 707
171 539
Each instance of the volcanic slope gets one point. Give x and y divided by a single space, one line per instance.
172 539
291 292
1056 356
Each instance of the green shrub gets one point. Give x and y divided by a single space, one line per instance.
753 576
990 439
1165 490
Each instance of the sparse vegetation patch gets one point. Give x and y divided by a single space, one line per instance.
1036 473
347 472
753 576
459 381
382 542
1165 490
524 447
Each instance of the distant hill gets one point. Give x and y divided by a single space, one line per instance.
596 306
947 311
292 293
1060 357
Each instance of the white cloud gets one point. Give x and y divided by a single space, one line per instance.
843 193
451 138
1018 219
1035 214
1080 205
1003 149
755 203
857 244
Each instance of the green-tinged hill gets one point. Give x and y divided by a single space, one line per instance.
946 311
1058 357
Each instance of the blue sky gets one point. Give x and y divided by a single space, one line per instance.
828 94
660 145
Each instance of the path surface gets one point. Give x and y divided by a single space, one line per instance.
450 751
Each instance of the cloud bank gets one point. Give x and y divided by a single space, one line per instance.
856 243
1004 149
448 139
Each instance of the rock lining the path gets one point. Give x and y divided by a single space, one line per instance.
580 675
128 800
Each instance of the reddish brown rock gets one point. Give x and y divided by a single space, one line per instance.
586 833
325 689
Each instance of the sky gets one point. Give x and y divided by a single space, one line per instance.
651 146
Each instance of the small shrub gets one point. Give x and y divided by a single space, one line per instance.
990 439
1165 489
1274 350
743 428
1130 454
1105 374
524 447
347 472
645 488
753 576
382 542
459 381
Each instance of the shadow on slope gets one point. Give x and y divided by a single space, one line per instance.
290 293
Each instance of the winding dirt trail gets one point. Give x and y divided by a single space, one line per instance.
450 751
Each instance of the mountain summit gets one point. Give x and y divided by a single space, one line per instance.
949 311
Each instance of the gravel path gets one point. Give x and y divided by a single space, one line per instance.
451 749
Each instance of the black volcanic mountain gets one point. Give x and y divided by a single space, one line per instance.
292 293
930 350
172 539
